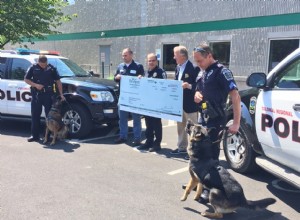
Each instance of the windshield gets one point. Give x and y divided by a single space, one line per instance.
67 68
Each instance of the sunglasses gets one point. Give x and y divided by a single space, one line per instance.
200 50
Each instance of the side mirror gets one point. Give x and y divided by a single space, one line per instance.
91 72
257 80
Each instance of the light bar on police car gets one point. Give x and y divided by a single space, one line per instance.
41 52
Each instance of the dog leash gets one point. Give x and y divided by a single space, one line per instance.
69 105
229 135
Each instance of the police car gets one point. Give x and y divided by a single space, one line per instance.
90 100
269 134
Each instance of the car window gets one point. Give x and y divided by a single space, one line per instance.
66 67
19 68
289 78
2 66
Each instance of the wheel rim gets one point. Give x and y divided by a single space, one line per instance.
235 148
72 120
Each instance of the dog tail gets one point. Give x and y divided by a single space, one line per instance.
260 204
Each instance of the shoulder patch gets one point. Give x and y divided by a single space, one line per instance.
227 74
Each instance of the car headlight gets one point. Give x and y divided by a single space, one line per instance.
102 96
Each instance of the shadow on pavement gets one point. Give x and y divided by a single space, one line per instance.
61 145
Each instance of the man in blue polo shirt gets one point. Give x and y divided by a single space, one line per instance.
129 68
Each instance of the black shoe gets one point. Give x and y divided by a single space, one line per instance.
204 197
187 157
136 143
32 139
155 149
120 140
144 146
178 151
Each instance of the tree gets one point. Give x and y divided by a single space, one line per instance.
29 19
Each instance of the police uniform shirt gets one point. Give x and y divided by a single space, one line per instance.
133 69
45 77
215 84
156 73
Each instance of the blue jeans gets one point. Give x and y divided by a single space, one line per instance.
123 125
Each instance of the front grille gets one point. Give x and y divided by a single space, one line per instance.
117 93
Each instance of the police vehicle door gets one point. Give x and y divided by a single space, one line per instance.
3 102
18 92
277 116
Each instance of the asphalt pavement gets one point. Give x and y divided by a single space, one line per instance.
96 179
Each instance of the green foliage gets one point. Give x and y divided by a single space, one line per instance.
29 19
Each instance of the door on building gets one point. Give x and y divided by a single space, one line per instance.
104 60
169 64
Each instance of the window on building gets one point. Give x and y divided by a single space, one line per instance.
169 64
279 49
221 51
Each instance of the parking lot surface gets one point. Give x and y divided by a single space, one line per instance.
96 179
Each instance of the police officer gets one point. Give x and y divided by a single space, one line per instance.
153 125
41 77
213 87
130 68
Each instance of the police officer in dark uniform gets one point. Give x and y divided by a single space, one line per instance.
212 90
130 68
41 77
153 125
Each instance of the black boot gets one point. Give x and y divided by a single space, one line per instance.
204 198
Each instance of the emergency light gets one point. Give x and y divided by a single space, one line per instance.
41 52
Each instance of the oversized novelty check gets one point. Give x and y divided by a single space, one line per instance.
160 98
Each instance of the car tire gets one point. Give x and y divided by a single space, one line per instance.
238 150
78 120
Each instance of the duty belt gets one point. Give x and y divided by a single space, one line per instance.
46 89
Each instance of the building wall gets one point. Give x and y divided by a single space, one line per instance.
249 46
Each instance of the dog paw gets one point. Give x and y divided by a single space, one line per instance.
206 214
196 197
52 143
45 141
183 198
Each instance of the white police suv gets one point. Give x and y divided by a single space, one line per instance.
269 135
90 100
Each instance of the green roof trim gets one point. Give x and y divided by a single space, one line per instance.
238 23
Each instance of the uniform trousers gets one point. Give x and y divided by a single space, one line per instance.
123 125
215 125
153 128
39 100
183 142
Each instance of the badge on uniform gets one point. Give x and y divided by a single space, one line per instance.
227 73
186 75
154 75
209 73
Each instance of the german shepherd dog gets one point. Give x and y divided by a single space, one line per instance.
226 194
54 123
